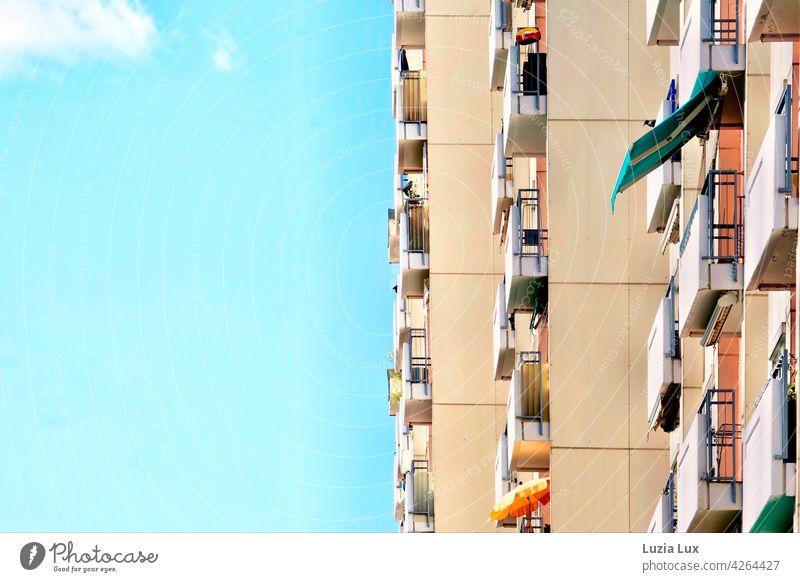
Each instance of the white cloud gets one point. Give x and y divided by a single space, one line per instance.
65 29
224 54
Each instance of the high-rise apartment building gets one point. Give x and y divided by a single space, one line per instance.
642 360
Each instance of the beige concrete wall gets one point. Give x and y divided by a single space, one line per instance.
606 274
469 407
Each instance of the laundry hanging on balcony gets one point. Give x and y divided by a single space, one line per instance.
658 145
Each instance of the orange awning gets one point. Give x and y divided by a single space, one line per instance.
522 500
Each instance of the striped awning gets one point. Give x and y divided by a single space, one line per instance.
658 145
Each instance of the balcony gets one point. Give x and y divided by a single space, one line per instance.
710 40
415 403
501 37
410 96
771 208
411 173
664 366
503 337
502 477
770 455
526 254
528 424
525 102
419 514
502 183
663 184
409 22
772 20
709 480
663 22
414 233
409 312
711 261
663 520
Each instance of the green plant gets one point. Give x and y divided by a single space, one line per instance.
791 393
395 388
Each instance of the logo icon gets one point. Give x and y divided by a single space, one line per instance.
31 555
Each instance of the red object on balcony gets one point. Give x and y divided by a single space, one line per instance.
528 35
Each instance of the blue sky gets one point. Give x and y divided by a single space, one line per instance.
195 300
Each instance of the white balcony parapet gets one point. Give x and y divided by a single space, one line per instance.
419 511
771 209
528 423
409 5
772 20
663 520
710 40
503 337
501 38
502 477
770 457
663 363
525 102
663 22
502 183
711 260
663 184
709 484
526 260
415 403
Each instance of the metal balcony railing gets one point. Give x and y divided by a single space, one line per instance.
532 235
723 437
416 210
534 402
531 524
790 162
724 221
420 361
421 498
669 493
723 26
530 70
675 336
788 411
413 97
503 11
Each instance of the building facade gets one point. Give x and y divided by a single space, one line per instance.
641 360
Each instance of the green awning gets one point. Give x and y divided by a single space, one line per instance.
662 142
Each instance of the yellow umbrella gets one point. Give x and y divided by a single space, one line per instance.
522 500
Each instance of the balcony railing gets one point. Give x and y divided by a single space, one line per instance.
532 524
412 97
417 236
420 361
710 40
724 218
723 24
420 498
723 438
712 259
533 402
529 69
532 236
